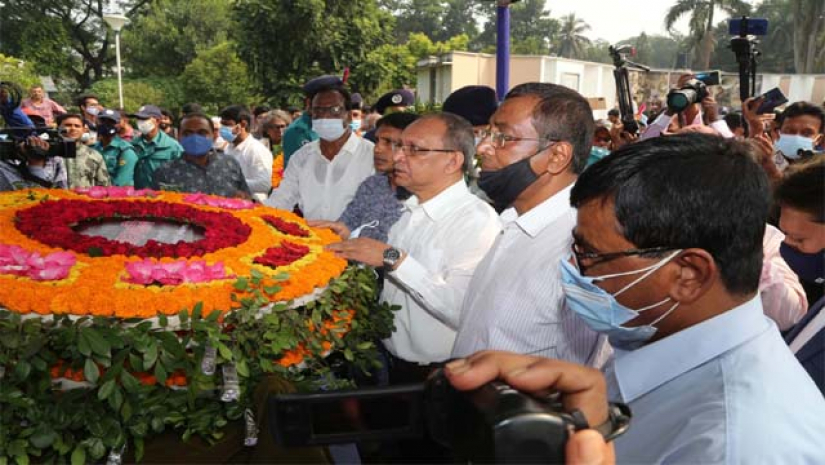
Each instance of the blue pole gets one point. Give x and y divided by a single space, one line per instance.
502 50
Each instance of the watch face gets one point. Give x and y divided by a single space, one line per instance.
392 254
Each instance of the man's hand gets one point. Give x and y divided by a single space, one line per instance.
763 145
337 227
580 387
755 124
365 250
711 108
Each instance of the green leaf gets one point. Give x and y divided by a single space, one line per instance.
348 355
183 315
90 371
22 369
126 411
97 342
160 373
135 362
271 290
79 456
365 345
106 390
225 351
163 321
92 252
197 310
256 274
129 382
241 284
116 399
43 437
138 448
243 369
83 346
97 448
22 459
150 356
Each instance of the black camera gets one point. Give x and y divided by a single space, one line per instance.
693 91
14 144
494 423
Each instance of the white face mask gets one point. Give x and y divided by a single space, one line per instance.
145 126
329 129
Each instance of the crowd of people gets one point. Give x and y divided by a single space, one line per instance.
679 270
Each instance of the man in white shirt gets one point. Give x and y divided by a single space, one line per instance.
322 176
255 159
538 141
434 248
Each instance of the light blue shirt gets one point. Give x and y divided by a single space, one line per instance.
727 390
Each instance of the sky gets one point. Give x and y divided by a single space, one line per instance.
614 20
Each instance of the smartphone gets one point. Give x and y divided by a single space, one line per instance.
748 26
710 78
772 99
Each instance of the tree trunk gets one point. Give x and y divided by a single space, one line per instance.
706 45
807 16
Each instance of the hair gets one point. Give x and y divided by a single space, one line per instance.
803 188
237 113
397 120
81 101
200 115
733 120
613 112
802 109
64 116
269 120
168 114
191 107
677 192
260 109
458 135
561 114
334 88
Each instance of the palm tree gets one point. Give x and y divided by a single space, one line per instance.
571 42
701 22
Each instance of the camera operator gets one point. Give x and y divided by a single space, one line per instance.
581 388
667 122
88 168
801 129
35 170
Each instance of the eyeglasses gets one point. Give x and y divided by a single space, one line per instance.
499 139
578 255
336 110
413 151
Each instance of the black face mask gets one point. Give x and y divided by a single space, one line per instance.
164 126
505 185
104 129
810 267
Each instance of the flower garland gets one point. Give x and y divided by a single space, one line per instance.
277 170
98 283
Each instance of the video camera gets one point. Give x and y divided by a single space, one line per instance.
494 423
621 75
693 91
14 144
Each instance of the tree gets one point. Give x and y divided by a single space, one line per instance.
286 43
168 36
808 27
217 77
571 40
532 30
18 71
135 93
701 22
74 32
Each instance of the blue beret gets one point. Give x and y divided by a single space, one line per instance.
396 98
112 115
476 104
314 85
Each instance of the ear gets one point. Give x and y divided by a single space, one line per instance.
455 163
559 158
696 274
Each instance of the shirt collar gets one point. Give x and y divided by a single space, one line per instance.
640 371
439 206
542 215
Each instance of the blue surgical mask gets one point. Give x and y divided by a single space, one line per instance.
226 133
791 144
596 154
196 145
603 313
355 124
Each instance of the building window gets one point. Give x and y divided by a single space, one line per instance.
570 80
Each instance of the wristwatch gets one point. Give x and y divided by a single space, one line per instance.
618 421
391 257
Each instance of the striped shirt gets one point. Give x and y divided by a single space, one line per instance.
515 300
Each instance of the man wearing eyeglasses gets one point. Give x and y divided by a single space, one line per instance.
538 141
434 248
323 175
666 263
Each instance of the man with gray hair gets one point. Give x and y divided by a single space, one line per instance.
433 250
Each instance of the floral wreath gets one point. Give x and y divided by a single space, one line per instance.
48 267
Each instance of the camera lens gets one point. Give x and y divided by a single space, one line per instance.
678 100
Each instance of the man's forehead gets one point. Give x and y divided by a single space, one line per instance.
424 129
515 111
329 96
388 131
